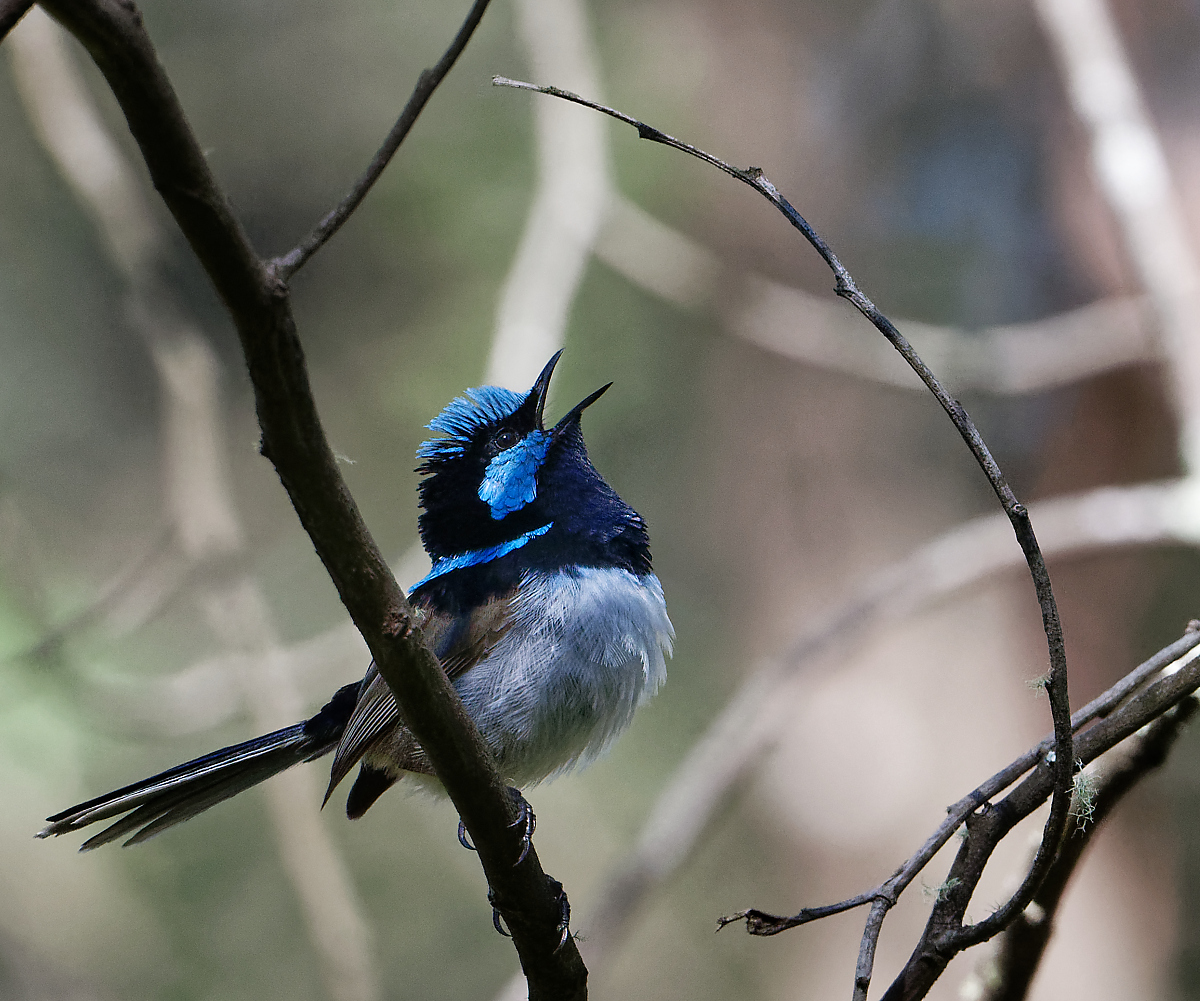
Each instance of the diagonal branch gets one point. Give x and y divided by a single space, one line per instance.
288 264
294 440
1017 514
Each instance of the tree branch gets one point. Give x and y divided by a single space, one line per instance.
294 440
945 936
763 923
288 264
845 287
1021 945
1122 710
199 502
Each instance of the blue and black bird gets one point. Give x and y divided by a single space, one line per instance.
541 605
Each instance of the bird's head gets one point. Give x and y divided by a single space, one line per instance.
498 472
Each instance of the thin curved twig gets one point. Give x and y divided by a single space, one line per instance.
286 265
1018 515
718 764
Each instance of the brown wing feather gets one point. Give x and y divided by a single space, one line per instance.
375 726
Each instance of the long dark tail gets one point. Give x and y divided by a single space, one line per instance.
179 793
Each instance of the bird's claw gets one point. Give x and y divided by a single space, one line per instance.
526 820
496 922
564 918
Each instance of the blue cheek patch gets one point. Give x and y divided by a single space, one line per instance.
475 557
510 481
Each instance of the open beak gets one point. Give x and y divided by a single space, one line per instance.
575 411
537 398
541 387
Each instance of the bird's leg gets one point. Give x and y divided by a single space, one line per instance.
525 819
463 839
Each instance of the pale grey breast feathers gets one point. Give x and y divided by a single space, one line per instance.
551 674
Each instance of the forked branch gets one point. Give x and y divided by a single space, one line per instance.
1020 947
1111 704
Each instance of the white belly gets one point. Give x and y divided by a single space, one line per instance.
587 646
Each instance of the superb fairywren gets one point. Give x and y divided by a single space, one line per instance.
541 605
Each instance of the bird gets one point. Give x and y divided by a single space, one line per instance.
541 604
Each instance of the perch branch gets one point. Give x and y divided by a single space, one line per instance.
294 440
846 288
286 265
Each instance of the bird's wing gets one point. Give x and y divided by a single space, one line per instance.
460 641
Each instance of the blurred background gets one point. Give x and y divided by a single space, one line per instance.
159 599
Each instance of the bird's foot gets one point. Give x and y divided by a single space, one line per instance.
564 916
525 820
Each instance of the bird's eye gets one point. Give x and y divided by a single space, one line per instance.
505 439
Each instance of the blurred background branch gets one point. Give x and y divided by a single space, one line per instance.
813 329
1131 168
200 506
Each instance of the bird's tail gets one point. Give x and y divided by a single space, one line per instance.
178 794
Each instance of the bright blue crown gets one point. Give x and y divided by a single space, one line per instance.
465 415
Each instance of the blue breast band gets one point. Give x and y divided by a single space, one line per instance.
477 556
